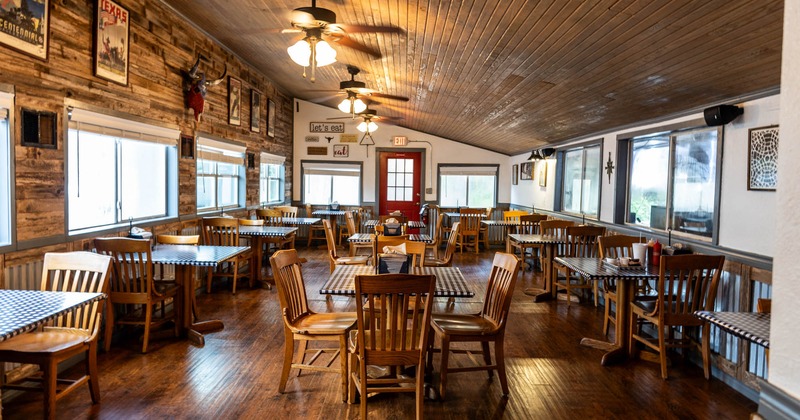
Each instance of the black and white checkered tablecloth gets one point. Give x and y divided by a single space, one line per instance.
595 269
329 212
420 238
503 223
270 231
370 224
524 239
752 326
449 280
199 256
297 221
24 310
361 238
416 224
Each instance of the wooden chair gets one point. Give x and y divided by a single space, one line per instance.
69 335
392 331
344 230
512 216
273 217
437 237
447 259
301 324
415 249
315 232
350 223
470 228
288 211
582 242
614 246
166 274
529 225
132 285
686 283
554 228
484 327
224 231
335 259
483 232
270 217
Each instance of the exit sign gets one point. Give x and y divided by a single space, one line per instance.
400 140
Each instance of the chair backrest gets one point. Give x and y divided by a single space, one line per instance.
470 220
291 288
583 240
251 222
85 272
416 249
220 231
178 239
513 215
687 283
329 239
529 223
132 279
555 227
271 217
452 240
309 210
350 220
393 327
437 230
616 246
488 213
499 290
287 211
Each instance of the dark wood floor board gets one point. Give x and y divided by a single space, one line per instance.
236 374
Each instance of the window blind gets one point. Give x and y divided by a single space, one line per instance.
468 170
267 158
310 168
83 120
220 151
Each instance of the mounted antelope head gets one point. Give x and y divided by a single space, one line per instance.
195 86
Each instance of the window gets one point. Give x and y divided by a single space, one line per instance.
271 185
119 170
673 181
220 175
467 186
581 187
324 183
6 103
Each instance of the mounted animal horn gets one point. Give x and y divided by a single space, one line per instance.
195 86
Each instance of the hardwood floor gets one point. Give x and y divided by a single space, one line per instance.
236 374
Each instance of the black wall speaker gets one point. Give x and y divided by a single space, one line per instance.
721 114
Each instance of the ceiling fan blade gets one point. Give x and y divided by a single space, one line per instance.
259 31
324 98
366 28
324 91
344 118
385 96
349 43
291 31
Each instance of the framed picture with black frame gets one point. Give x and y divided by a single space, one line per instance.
526 171
255 111
762 158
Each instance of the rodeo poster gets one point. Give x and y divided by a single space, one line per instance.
24 26
111 42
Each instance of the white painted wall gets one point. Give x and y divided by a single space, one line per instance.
784 364
746 217
441 150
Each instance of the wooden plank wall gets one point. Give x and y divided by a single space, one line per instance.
161 44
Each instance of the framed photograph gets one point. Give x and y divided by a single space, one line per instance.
26 29
234 101
543 174
514 174
270 118
526 171
111 41
255 111
762 158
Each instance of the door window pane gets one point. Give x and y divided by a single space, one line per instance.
399 179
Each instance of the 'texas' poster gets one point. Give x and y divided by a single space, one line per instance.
111 42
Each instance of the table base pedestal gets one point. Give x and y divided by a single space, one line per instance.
539 295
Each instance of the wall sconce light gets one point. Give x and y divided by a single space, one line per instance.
535 156
312 51
547 152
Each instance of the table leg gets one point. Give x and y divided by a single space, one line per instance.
542 295
258 257
617 351
191 326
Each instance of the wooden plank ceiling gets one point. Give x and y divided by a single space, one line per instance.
514 75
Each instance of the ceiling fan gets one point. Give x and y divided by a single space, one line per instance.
368 126
353 88
319 26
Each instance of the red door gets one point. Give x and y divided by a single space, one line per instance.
400 186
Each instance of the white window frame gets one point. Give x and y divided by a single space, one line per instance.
6 171
580 194
349 169
122 130
265 180
465 170
222 151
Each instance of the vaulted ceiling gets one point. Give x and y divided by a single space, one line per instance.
513 75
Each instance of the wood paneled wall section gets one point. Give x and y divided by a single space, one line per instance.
161 44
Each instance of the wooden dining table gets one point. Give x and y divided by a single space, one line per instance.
449 280
186 258
547 244
261 235
751 326
595 269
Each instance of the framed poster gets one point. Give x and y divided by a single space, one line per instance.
526 171
543 174
255 111
341 150
111 41
234 101
762 158
514 174
26 29
270 118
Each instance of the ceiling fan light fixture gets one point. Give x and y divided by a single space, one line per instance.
300 52
367 127
351 105
325 54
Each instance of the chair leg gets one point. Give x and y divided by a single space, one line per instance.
499 358
288 352
420 393
606 313
49 372
662 350
301 353
351 386
631 332
362 374
595 291
443 367
235 266
487 357
109 326
91 370
343 364
210 277
706 351
148 318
